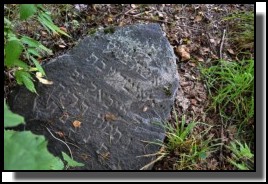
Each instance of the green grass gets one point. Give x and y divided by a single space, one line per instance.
241 156
241 32
189 147
231 86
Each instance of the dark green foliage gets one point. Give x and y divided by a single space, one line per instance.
108 30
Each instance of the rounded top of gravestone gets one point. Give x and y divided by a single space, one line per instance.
110 96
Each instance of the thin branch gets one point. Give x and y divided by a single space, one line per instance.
151 163
222 40
60 141
124 13
153 20
135 15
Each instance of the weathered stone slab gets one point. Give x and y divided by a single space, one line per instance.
117 85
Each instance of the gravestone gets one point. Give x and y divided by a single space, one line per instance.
109 98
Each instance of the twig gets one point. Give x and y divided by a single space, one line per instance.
222 40
151 163
222 141
60 141
73 144
124 13
141 18
149 155
141 13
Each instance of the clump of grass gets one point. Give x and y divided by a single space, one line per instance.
241 29
108 30
92 31
241 156
190 149
231 85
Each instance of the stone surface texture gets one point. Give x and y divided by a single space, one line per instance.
119 85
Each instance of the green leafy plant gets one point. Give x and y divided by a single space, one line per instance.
189 148
27 151
231 86
11 119
242 158
20 46
70 161
241 29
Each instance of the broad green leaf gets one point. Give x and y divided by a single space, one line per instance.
18 76
45 49
28 83
35 44
29 41
41 22
202 155
20 63
13 49
25 78
47 22
7 22
34 52
26 151
70 161
11 119
38 66
46 16
41 7
27 10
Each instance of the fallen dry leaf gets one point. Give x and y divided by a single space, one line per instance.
61 134
183 84
198 18
62 46
192 64
110 19
212 40
77 124
145 108
42 80
193 101
43 33
200 59
231 51
160 15
214 56
63 29
183 51
110 117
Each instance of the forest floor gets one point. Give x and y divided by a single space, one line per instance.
199 35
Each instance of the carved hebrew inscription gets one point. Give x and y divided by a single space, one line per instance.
116 86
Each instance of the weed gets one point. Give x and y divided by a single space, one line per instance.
20 46
242 158
92 31
27 151
241 29
167 90
231 85
188 147
109 30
